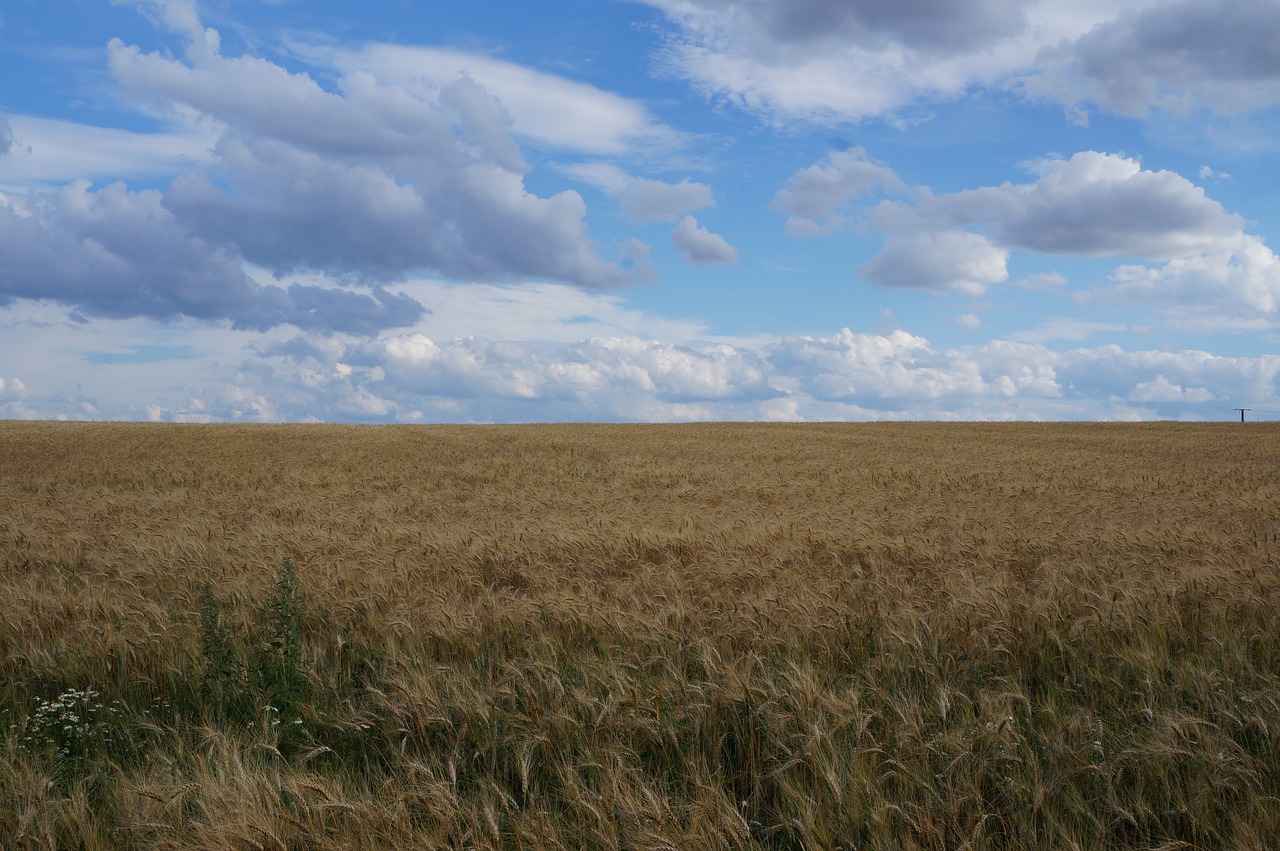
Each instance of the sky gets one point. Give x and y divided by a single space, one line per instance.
639 210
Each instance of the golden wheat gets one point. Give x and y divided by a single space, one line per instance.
741 636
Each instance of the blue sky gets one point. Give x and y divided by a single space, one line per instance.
659 210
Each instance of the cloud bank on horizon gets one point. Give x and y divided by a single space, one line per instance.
650 210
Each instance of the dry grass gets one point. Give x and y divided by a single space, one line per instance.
713 636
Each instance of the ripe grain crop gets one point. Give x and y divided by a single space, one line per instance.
897 636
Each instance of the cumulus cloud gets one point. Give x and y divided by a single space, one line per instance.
905 374
1194 380
364 183
1098 204
1090 205
700 246
642 199
485 123
846 375
412 376
832 61
933 26
1191 54
853 375
1161 389
12 389
297 210
814 197
949 260
1242 281
118 253
1107 205
608 366
369 179
890 370
179 16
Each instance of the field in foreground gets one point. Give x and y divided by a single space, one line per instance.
637 637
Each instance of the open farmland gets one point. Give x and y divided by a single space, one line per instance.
931 636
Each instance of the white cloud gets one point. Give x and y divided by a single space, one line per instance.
115 368
1212 381
545 108
700 247
485 122
1090 205
1177 56
1243 281
610 368
642 199
367 183
1161 389
833 61
804 25
540 311
371 180
904 374
828 60
950 260
179 16
549 312
813 197
298 210
196 373
1098 204
411 376
12 389
969 321
901 371
47 152
117 253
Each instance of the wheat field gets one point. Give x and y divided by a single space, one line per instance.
740 636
